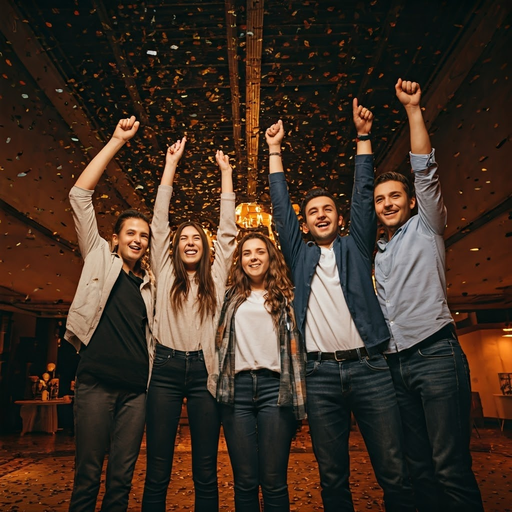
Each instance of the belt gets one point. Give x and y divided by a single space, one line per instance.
180 354
340 355
261 371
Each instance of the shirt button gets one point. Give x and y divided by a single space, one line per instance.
391 323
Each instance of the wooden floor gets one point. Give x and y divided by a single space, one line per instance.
36 473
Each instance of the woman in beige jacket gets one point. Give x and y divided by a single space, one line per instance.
109 325
190 291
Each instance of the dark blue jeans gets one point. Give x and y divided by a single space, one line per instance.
258 435
434 394
364 386
106 419
176 376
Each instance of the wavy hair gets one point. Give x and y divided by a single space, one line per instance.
278 284
206 300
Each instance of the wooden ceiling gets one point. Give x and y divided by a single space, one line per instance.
221 72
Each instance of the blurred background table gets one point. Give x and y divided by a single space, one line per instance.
504 408
41 415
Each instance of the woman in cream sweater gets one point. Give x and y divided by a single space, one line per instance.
190 289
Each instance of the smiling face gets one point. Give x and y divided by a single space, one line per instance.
255 261
392 205
132 241
322 220
190 248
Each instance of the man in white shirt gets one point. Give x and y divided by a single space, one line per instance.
338 314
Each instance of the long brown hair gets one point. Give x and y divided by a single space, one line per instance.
206 300
278 284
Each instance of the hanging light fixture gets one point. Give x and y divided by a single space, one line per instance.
253 217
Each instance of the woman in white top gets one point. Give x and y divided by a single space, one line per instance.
261 382
190 290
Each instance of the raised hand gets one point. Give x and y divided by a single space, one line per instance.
126 129
175 152
223 161
274 135
363 118
409 93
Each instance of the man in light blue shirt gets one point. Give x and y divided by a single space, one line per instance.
429 369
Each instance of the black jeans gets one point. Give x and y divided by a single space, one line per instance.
176 376
106 419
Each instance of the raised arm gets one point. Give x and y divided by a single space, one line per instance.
409 94
80 195
274 137
226 171
287 224
125 130
160 229
363 121
363 222
226 234
431 209
172 157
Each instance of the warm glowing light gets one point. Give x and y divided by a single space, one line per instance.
252 216
474 249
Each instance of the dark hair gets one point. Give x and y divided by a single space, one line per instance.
317 192
143 263
128 214
396 176
206 298
278 284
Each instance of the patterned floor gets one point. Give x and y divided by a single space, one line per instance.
36 473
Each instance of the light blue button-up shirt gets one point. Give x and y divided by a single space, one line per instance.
410 268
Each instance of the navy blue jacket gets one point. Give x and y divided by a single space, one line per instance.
353 252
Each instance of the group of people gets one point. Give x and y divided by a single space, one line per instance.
256 338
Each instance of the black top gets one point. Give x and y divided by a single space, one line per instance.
117 354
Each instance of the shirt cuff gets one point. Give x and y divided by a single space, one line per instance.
276 177
422 162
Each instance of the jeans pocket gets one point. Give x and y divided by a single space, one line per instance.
377 363
438 349
311 367
160 360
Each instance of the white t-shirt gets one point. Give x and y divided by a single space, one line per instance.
257 345
329 324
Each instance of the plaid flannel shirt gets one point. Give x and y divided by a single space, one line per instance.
292 387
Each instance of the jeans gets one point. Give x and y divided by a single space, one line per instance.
176 376
106 419
363 386
434 395
258 435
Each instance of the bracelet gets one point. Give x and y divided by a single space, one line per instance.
275 154
361 138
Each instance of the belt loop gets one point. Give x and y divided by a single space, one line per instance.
358 350
173 353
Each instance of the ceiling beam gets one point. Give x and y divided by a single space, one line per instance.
54 85
504 207
234 78
450 75
254 38
35 226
